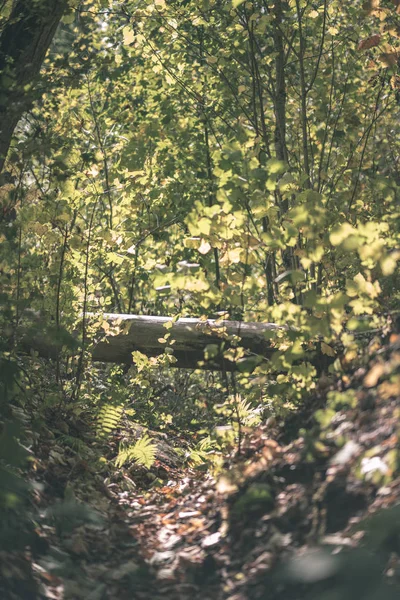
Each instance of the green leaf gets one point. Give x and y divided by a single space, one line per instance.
204 226
276 166
211 351
69 18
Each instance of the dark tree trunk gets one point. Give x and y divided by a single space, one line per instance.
24 40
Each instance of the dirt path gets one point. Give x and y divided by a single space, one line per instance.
289 520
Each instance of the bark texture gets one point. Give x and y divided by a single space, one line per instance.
24 40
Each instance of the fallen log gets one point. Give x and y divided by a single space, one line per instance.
189 341
188 338
193 343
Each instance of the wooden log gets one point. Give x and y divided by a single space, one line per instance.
188 340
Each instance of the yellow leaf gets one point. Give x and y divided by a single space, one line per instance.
93 171
341 233
373 376
204 226
204 247
395 82
389 263
328 350
128 36
234 255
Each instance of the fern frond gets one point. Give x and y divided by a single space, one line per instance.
247 414
143 452
197 458
201 454
74 443
207 444
108 418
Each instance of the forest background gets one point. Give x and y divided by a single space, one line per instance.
214 159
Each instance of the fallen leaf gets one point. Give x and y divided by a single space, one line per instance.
79 545
167 574
345 454
373 376
211 540
373 464
160 557
187 514
225 486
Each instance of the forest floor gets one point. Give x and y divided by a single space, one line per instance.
297 515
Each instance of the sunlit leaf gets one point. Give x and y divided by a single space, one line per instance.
128 35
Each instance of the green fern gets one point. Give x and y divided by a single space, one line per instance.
108 418
247 414
201 454
73 442
143 452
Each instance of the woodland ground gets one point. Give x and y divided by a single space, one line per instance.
308 510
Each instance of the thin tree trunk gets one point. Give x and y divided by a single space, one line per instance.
280 85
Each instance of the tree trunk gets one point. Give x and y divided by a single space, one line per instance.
24 40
